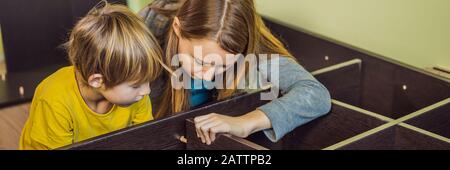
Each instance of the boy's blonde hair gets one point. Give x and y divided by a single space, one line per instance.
114 42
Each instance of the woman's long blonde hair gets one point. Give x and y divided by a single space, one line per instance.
236 27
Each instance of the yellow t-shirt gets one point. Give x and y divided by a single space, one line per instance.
59 116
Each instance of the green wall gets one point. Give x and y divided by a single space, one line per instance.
416 32
137 5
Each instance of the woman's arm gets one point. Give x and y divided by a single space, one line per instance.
209 125
303 100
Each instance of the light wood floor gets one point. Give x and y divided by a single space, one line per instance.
12 120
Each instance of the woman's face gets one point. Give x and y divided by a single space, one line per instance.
203 58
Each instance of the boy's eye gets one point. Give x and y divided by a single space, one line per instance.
135 87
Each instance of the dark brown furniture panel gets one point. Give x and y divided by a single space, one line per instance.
344 84
397 138
222 142
312 52
165 133
436 121
340 124
33 31
29 80
387 87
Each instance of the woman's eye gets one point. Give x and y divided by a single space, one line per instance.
198 61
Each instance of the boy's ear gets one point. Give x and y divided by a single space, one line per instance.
95 81
176 26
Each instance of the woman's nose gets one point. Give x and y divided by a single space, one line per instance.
208 75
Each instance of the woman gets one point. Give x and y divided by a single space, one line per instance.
225 27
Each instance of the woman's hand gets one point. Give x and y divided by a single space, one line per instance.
209 125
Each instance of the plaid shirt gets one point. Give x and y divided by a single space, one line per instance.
159 23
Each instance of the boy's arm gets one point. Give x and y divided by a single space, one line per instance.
49 128
144 112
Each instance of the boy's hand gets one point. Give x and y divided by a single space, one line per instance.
208 126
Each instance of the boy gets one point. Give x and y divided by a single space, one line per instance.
114 57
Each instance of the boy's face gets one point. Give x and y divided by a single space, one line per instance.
126 94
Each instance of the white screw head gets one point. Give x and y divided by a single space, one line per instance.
327 58
404 87
21 91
